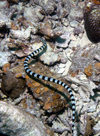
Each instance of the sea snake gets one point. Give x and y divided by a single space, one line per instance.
51 79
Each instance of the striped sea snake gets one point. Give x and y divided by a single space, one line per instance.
51 79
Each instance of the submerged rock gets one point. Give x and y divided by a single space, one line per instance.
12 86
48 95
14 121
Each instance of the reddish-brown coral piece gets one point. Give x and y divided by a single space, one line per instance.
6 67
88 70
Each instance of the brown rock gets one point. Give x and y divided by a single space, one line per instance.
97 67
12 86
88 70
46 92
6 67
89 126
13 26
46 29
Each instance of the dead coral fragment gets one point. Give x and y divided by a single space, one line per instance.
46 28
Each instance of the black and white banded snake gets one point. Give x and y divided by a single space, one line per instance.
51 79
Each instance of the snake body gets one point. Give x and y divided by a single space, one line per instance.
51 79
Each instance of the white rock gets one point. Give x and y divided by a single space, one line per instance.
84 84
62 65
74 23
33 14
65 21
49 57
4 58
84 41
83 95
68 64
21 34
38 45
96 128
58 126
69 53
61 70
73 37
97 57
4 20
82 123
91 106
3 4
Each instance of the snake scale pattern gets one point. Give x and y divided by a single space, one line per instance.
51 79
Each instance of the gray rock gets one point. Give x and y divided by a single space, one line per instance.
4 20
3 4
76 14
74 23
33 14
14 121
